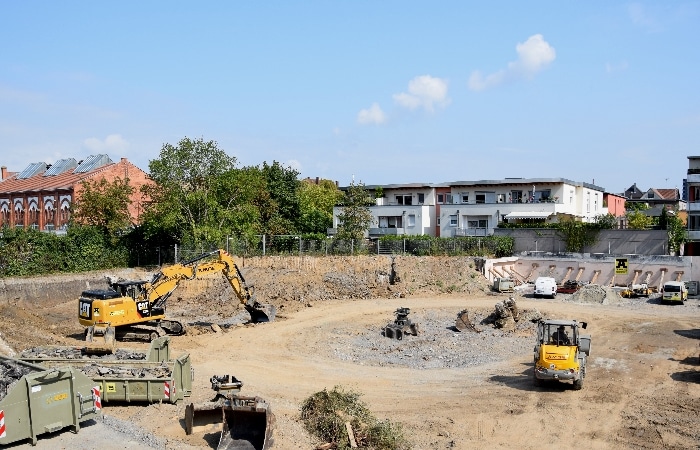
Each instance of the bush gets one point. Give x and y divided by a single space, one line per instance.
325 414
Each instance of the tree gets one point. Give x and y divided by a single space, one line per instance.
104 205
283 187
577 235
184 201
677 233
663 219
355 216
606 221
637 220
316 202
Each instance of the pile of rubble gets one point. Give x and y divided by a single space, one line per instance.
10 373
53 352
96 370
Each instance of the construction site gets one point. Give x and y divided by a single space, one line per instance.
428 342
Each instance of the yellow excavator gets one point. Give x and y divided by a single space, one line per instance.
135 310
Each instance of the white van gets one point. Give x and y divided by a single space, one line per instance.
674 291
545 287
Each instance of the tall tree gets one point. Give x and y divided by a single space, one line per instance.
355 216
104 205
184 199
283 185
316 202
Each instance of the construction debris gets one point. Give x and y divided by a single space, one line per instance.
507 314
463 323
402 325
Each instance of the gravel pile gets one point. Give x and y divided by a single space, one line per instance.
439 344
595 293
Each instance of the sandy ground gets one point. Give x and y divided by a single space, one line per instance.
642 389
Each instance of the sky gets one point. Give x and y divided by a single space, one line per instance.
373 92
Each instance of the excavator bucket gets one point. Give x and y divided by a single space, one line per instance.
244 423
261 313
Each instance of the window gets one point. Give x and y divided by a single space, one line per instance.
421 199
479 223
501 198
485 197
465 197
480 197
449 199
545 194
404 199
411 220
516 197
453 220
441 198
650 194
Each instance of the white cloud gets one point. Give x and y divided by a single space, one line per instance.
533 56
424 91
112 144
373 114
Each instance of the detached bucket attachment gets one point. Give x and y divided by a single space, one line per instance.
244 423
247 424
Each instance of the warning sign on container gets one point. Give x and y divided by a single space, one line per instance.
620 266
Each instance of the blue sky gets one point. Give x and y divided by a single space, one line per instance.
381 92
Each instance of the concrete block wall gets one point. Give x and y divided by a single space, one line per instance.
654 270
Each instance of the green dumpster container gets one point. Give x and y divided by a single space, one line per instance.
42 400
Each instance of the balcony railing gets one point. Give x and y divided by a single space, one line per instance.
374 232
462 232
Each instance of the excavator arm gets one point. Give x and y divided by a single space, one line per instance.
165 282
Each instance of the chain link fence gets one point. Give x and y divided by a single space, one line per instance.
295 245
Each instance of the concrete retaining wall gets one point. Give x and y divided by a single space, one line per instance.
598 269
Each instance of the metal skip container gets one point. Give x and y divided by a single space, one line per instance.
36 400
135 381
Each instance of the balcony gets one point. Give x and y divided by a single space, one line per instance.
379 232
463 232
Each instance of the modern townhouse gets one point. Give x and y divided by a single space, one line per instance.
475 208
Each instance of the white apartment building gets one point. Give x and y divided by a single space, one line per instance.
475 208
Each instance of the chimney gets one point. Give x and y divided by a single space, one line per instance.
4 172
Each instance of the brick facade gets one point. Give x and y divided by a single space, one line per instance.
43 202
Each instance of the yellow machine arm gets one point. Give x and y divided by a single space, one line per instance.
166 281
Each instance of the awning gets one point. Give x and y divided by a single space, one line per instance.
528 215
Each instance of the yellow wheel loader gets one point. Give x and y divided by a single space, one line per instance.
136 310
561 352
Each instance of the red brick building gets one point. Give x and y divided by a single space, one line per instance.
41 195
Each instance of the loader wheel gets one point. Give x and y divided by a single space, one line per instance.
414 329
399 334
578 384
536 381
